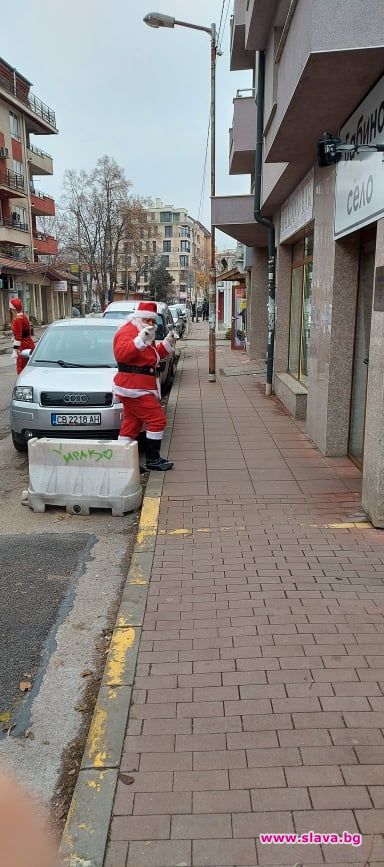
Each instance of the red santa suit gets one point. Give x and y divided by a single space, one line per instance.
136 382
22 333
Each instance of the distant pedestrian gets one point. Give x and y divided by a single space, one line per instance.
193 310
22 333
205 310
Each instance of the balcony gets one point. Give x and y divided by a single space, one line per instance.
242 136
259 16
240 58
316 90
12 185
40 163
44 244
39 117
12 232
234 216
42 205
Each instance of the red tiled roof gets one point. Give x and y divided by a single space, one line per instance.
17 267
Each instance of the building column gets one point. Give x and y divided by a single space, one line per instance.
256 264
373 468
334 295
283 303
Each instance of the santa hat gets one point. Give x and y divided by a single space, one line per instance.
145 310
15 304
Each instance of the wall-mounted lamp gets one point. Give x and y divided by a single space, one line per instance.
330 149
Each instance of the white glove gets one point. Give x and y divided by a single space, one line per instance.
147 334
171 337
14 354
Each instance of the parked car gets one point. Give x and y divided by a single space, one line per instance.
66 389
165 323
178 319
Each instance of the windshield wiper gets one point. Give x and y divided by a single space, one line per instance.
62 363
58 361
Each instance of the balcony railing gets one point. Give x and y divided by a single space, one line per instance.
42 236
11 179
245 92
36 105
38 151
38 193
13 224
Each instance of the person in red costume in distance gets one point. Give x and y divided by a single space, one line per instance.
138 355
22 333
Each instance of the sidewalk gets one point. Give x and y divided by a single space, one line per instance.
258 700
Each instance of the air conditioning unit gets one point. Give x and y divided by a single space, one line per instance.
15 217
4 153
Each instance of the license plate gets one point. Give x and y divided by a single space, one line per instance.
76 420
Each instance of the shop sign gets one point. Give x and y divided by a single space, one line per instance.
297 210
360 177
60 286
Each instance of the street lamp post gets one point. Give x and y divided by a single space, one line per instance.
156 20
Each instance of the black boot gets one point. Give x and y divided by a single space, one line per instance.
154 461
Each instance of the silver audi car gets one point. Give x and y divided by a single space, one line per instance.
66 387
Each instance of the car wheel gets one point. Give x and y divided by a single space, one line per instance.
19 444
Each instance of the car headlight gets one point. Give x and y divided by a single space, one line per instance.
23 392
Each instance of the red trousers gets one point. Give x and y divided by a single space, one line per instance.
143 410
27 343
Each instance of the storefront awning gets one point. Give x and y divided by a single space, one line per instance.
232 275
14 266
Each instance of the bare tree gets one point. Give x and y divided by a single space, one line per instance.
97 213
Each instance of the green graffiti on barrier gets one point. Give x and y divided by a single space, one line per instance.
84 454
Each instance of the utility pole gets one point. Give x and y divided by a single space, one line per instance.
81 288
212 283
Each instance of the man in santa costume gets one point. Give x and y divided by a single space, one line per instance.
136 383
22 333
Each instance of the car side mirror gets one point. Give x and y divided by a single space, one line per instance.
26 353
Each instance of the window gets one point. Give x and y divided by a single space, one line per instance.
147 246
129 261
153 217
154 246
185 246
164 260
176 217
185 232
300 321
166 246
17 167
168 230
14 123
165 217
184 261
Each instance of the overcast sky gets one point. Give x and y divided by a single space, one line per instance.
121 88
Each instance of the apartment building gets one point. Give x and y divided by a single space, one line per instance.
25 249
315 66
166 236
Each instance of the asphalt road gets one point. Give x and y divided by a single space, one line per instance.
37 573
60 582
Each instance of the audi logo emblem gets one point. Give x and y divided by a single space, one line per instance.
75 398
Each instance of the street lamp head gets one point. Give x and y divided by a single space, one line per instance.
157 19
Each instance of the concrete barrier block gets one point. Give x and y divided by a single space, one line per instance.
82 475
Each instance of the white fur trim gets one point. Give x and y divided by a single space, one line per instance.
141 314
139 343
17 342
169 346
125 439
154 434
133 392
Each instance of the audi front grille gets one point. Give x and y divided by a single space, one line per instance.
79 399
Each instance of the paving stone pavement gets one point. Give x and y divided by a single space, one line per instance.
259 691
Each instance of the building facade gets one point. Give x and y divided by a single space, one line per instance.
169 237
315 66
229 270
24 207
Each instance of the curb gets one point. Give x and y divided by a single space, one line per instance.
85 834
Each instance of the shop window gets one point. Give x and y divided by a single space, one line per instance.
300 318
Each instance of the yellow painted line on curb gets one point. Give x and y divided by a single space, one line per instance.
149 519
96 737
182 531
122 641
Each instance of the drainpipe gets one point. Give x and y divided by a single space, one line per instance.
263 220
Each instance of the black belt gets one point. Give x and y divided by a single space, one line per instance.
134 368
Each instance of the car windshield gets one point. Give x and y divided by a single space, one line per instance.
78 347
123 314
